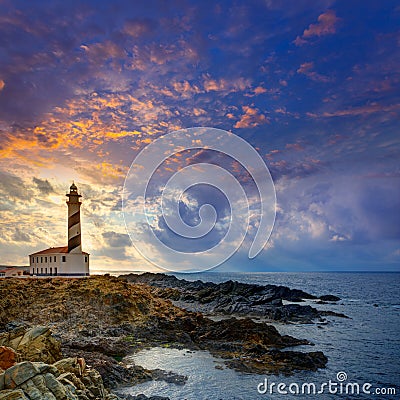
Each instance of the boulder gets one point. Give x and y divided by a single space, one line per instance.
19 373
33 344
8 357
69 365
67 379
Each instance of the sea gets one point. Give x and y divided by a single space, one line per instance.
363 351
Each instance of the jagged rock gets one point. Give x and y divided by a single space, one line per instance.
18 374
143 397
168 376
104 318
93 383
33 344
67 379
234 298
8 357
329 297
12 395
71 365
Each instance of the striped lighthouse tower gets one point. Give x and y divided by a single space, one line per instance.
74 220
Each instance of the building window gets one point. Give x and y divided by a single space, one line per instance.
45 259
41 259
55 271
51 271
63 258
85 258
55 258
45 271
41 270
50 259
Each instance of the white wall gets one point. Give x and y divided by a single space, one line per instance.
74 265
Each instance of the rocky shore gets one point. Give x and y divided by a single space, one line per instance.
85 327
238 299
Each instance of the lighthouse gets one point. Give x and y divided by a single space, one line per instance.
66 261
74 220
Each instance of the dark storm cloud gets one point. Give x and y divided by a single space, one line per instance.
13 188
43 185
114 239
300 169
20 236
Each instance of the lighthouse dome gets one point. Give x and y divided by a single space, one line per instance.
73 187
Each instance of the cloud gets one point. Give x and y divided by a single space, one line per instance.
185 89
362 110
326 25
13 187
259 90
251 118
2 84
114 239
43 185
138 27
103 51
20 236
224 85
307 69
104 173
297 169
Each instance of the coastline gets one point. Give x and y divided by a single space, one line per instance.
102 319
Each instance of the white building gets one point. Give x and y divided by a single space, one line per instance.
70 260
13 272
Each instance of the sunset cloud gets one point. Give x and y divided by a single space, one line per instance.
83 89
363 110
307 69
326 25
251 118
224 85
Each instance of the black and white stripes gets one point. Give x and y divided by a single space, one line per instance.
74 221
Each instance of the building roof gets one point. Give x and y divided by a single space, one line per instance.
53 250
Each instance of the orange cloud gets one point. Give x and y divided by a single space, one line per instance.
2 84
363 110
198 111
223 85
259 90
185 89
307 69
251 118
326 25
99 52
294 146
104 172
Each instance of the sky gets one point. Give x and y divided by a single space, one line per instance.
313 86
